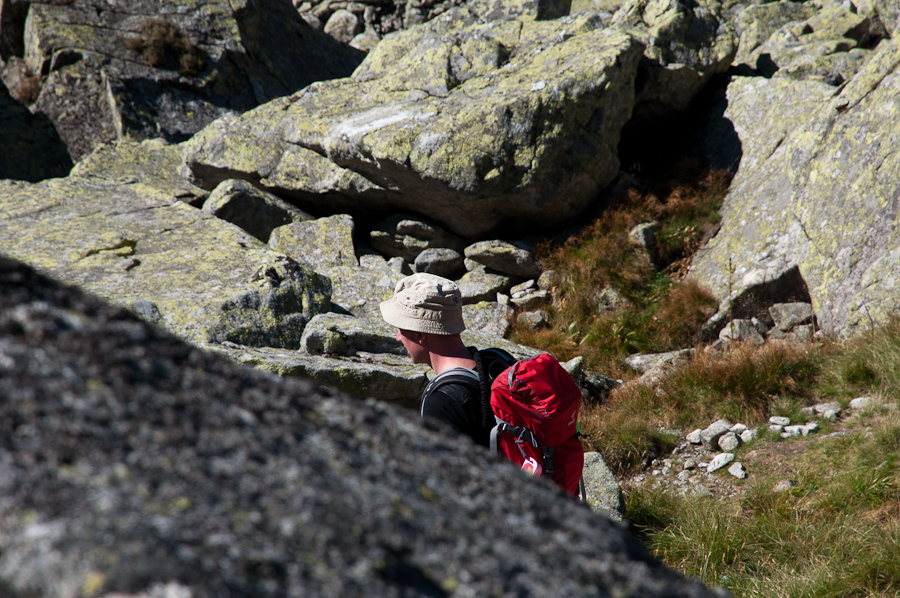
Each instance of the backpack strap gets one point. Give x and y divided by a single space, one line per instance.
521 434
489 363
453 376
548 461
484 388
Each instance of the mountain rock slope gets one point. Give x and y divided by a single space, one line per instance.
134 464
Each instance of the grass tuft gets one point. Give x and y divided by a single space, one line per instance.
836 534
161 45
743 385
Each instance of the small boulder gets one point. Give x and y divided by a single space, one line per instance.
694 437
825 408
488 316
737 470
784 485
603 492
441 261
481 285
510 259
719 461
862 402
742 331
729 442
788 315
609 299
646 362
319 244
709 437
532 319
343 25
405 236
256 211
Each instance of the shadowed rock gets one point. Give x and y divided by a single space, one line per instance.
31 148
141 69
133 463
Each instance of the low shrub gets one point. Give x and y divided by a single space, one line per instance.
161 45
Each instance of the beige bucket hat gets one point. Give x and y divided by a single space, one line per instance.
425 303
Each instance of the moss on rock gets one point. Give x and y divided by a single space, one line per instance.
117 228
494 123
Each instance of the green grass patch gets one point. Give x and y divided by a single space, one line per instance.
835 534
870 361
746 385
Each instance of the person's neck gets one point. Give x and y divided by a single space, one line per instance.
440 363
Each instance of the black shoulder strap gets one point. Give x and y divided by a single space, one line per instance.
489 363
450 377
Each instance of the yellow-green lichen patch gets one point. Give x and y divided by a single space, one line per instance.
819 199
118 243
154 163
254 149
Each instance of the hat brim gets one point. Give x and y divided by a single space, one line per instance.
443 323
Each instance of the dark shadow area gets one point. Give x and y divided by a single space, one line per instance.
294 53
12 32
32 148
755 301
151 108
765 67
649 147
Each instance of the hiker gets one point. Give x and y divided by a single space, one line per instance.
427 311
524 410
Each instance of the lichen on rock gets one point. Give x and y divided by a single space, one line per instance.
122 231
484 113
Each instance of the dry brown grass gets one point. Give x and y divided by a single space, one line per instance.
741 385
658 310
161 45
27 91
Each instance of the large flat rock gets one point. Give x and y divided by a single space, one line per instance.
476 126
118 227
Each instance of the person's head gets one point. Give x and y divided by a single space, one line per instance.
424 305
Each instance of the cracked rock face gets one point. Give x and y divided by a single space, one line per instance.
133 463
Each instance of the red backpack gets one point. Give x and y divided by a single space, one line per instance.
535 407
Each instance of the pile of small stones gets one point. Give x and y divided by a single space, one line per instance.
362 23
691 465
